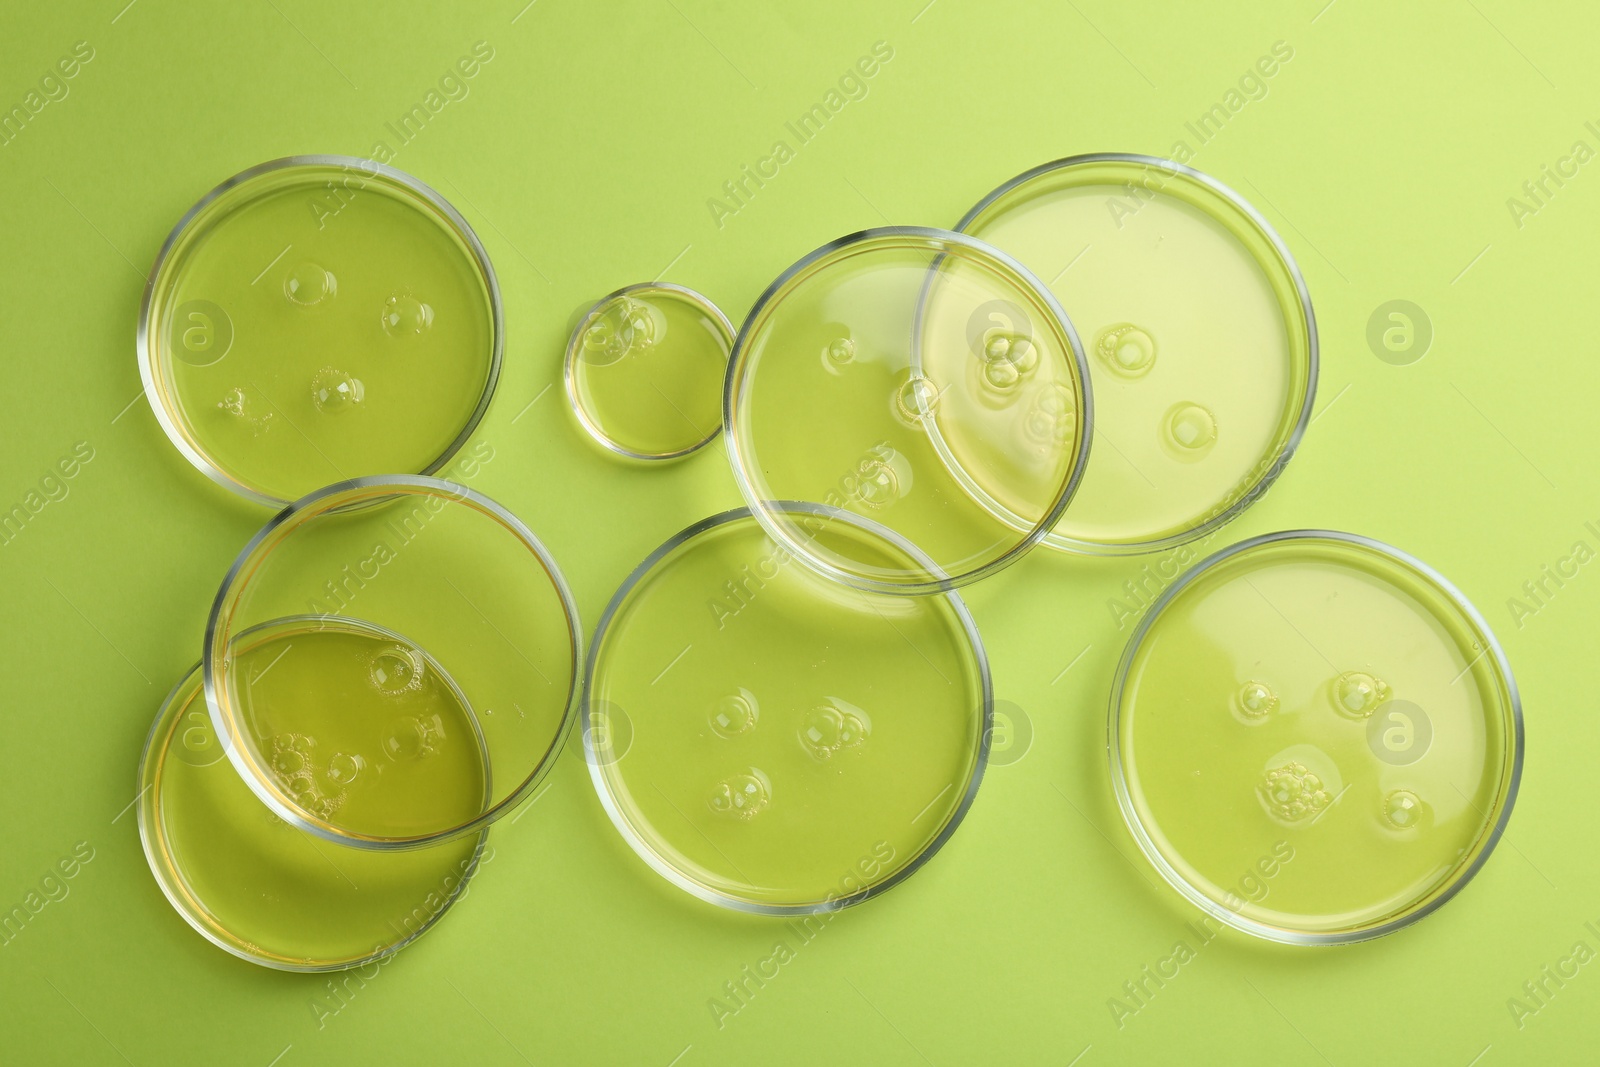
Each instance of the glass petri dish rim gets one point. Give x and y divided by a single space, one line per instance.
942 582
569 371
669 871
228 734
1306 400
186 906
1266 931
371 168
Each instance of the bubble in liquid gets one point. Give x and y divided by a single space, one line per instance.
334 390
1256 700
1404 810
343 767
1001 374
741 796
1126 349
735 714
410 737
1054 415
238 404
916 400
1358 694
840 351
1190 428
397 669
404 315
1293 793
644 329
833 727
878 486
291 762
308 284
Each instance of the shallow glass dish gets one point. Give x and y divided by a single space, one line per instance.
259 888
415 651
318 318
1315 738
1202 343
772 741
918 378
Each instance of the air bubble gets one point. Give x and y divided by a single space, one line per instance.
840 352
878 486
308 284
735 714
1256 700
1190 428
343 767
1293 793
1358 694
1404 810
397 669
411 738
237 403
404 315
916 400
1127 350
833 727
742 796
1001 374
334 390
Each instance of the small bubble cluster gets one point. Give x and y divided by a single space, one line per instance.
1255 700
406 316
1126 349
1358 694
735 714
411 737
1190 429
308 284
291 762
916 400
237 403
1404 810
833 727
397 669
333 390
623 326
741 796
1008 358
1054 416
1293 793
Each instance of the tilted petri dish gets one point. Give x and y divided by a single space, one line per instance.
1202 343
1315 738
259 888
773 741
644 371
918 378
319 318
434 647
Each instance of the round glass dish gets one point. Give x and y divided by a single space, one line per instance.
259 888
921 379
774 742
1202 343
318 318
406 628
644 371
1315 738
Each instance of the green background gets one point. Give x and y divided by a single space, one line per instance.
585 154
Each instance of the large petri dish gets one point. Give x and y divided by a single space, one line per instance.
1315 738
259 888
919 378
430 660
771 740
318 318
1202 343
644 371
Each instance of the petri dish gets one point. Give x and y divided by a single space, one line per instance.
1315 738
1201 339
318 318
644 371
773 741
918 378
430 661
259 888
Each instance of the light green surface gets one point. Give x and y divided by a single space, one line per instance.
585 152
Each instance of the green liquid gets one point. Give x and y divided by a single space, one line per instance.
361 730
303 334
788 741
1313 738
261 888
646 369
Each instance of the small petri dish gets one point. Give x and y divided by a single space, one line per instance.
772 741
1201 339
259 888
644 371
918 378
1315 738
429 660
319 318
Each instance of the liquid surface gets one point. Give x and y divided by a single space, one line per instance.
645 371
316 323
361 729
257 886
920 383
791 741
1198 346
1313 738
